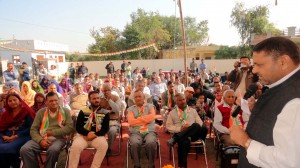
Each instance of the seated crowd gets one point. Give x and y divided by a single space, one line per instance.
82 107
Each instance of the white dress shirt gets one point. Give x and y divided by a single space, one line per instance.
286 150
159 88
179 88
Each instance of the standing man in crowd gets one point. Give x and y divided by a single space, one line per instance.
123 65
83 69
110 68
24 73
71 71
11 76
242 75
128 71
271 138
50 127
92 125
42 71
53 73
187 126
76 69
202 66
193 66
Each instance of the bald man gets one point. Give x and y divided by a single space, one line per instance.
114 105
223 120
186 125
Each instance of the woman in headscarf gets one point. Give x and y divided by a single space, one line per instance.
15 125
27 93
88 87
44 84
2 104
66 87
39 102
37 87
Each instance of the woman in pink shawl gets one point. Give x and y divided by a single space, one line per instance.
88 87
66 87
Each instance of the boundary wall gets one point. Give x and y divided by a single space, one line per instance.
219 66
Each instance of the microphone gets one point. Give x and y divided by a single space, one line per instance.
250 91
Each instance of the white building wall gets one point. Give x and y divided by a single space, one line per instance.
24 56
50 46
26 44
39 45
49 56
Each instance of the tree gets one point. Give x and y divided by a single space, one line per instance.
233 52
196 33
146 28
226 52
131 37
254 20
106 38
172 25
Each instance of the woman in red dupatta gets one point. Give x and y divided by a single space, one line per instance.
15 125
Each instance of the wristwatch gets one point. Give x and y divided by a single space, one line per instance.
247 144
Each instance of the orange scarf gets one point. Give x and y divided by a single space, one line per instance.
142 129
61 119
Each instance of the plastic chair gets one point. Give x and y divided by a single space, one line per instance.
197 144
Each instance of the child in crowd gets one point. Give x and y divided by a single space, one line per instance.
218 93
202 108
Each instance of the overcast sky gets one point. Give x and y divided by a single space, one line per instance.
69 21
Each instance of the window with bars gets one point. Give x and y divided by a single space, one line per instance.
16 59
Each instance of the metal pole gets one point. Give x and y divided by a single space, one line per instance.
174 27
183 43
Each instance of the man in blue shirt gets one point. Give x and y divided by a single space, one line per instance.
11 76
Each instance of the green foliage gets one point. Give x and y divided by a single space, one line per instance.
150 29
196 33
107 40
146 28
233 52
254 20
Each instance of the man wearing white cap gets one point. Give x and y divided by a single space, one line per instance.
190 99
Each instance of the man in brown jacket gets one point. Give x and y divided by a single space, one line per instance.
242 76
